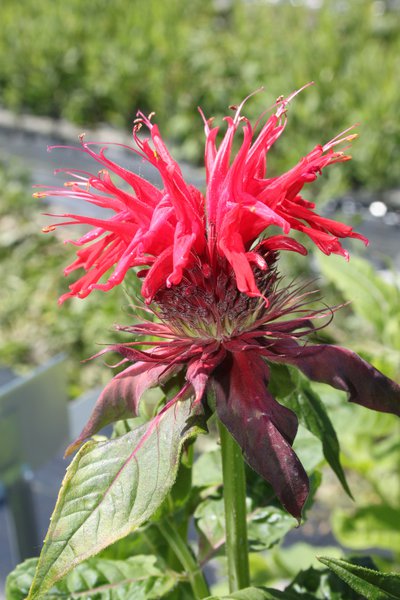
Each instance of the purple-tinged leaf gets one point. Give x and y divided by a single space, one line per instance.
345 370
113 487
263 428
120 399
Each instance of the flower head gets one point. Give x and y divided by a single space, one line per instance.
169 230
210 274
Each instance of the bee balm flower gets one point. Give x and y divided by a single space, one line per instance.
210 275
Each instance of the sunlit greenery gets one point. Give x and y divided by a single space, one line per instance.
33 327
100 61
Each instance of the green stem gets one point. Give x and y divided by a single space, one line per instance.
235 512
192 568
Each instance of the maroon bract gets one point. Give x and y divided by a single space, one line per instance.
222 341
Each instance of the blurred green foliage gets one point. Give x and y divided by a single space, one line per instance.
369 440
100 61
370 323
33 327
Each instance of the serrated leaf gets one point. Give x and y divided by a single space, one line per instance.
374 585
100 579
144 540
312 414
111 488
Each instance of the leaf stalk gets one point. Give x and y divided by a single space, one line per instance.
180 548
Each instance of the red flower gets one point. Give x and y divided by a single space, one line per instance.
211 275
223 340
171 229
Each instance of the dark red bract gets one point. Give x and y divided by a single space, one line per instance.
222 341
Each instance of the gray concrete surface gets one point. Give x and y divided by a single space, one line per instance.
45 485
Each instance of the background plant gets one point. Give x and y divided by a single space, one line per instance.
32 327
101 61
370 442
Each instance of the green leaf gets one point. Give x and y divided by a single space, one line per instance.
19 581
183 484
310 580
309 450
258 593
374 585
312 415
126 425
288 561
144 540
111 488
207 469
265 525
210 521
99 579
369 294
182 591
369 526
